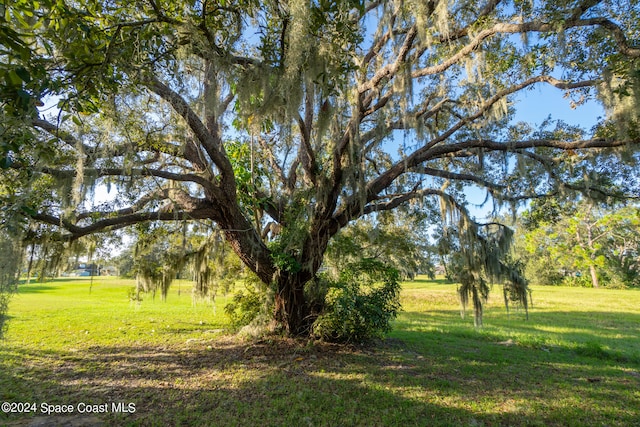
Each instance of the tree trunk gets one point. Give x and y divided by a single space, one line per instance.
30 265
246 242
292 310
594 276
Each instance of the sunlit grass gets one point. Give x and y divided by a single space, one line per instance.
559 317
575 362
77 313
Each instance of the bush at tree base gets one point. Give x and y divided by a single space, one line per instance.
361 304
358 307
251 306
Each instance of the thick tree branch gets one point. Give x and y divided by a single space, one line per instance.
136 207
305 151
210 142
487 105
513 146
390 70
618 35
352 210
460 177
64 136
119 150
550 165
173 197
453 150
118 222
399 199
379 43
431 150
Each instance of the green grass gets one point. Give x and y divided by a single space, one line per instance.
575 362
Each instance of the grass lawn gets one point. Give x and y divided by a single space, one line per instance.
575 362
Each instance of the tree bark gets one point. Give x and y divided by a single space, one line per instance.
30 265
594 276
590 223
292 310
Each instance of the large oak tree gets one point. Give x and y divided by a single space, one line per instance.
283 121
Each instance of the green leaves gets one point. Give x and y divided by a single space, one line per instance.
585 246
361 305
395 239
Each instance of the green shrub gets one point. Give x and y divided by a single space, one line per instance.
361 304
578 281
250 305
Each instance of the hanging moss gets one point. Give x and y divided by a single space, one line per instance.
474 286
11 252
621 98
162 255
516 287
203 274
482 256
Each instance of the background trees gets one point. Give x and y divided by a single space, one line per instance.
398 239
284 121
579 243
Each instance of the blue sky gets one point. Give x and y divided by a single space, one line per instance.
534 107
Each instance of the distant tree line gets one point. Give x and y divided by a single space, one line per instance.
580 243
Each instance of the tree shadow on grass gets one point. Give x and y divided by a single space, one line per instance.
49 280
226 382
33 288
221 382
437 281
604 335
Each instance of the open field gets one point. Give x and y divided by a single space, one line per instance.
576 362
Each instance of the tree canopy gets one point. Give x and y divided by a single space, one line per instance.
284 121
